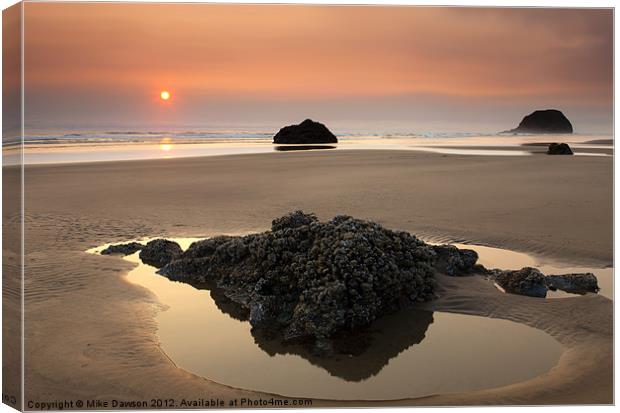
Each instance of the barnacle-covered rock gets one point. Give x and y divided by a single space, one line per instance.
454 261
160 252
293 220
307 279
581 283
526 281
123 249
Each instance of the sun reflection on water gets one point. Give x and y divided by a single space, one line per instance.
165 144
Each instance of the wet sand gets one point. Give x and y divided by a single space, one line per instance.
90 334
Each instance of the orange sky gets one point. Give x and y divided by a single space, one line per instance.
253 63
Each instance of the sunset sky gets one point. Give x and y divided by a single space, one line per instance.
438 69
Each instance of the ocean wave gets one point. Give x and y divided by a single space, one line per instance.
180 136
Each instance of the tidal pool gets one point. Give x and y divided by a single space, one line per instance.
409 354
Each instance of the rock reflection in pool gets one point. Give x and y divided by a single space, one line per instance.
284 148
409 354
353 356
358 356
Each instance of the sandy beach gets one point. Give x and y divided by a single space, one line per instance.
556 208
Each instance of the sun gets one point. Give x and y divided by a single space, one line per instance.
165 95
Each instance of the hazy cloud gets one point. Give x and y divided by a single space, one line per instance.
236 63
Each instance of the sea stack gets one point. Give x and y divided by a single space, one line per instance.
544 121
306 132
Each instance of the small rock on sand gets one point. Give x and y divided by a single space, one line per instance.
559 149
123 249
526 281
453 261
573 283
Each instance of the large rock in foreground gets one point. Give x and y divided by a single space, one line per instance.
544 121
306 132
308 280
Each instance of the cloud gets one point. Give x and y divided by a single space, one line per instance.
307 54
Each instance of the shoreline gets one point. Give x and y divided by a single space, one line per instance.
497 145
244 192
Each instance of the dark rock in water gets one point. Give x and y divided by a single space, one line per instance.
160 252
123 249
526 281
308 280
544 121
573 283
287 148
559 149
307 132
453 261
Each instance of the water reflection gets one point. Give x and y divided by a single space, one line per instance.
471 151
165 144
302 147
352 356
357 356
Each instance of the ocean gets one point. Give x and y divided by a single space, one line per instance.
69 145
